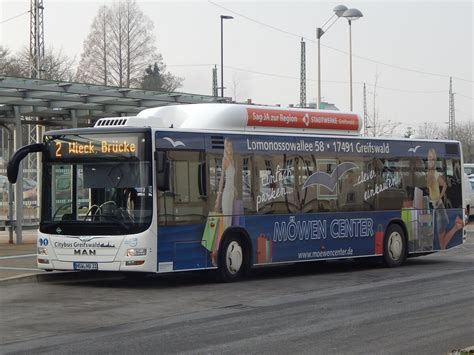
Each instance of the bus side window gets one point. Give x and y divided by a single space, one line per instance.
162 170
353 185
275 184
183 202
454 184
393 178
247 195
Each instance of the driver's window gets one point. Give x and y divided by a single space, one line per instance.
83 196
62 191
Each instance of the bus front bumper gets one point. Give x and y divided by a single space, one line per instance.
48 264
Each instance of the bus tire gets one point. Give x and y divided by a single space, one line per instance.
394 246
232 259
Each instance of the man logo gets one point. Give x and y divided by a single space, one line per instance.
85 239
84 252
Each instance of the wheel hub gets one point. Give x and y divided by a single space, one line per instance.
234 257
395 246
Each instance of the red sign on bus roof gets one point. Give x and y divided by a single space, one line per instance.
302 119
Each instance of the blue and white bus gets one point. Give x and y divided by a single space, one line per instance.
230 187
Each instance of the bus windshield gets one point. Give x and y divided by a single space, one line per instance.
96 194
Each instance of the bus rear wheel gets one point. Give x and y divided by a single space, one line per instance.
395 246
232 259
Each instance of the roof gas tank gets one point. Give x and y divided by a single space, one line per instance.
235 117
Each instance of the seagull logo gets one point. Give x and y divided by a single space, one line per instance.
329 180
174 143
413 150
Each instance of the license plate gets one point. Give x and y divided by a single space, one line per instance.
86 266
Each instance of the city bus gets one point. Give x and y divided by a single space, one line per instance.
231 187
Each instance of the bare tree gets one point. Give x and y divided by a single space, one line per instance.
238 90
9 64
429 130
140 48
235 87
54 66
117 39
464 132
57 66
119 47
93 66
376 126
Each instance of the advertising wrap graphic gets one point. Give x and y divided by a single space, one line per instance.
329 180
302 119
264 249
305 198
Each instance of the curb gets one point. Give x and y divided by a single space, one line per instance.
465 351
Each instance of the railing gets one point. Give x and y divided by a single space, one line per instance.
26 224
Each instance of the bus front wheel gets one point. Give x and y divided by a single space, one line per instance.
394 249
232 259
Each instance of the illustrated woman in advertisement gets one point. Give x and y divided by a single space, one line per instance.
226 190
437 190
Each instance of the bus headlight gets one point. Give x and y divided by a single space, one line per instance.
42 251
136 252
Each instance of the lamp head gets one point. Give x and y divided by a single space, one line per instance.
225 17
352 14
339 10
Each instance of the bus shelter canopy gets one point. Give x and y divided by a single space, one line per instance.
60 103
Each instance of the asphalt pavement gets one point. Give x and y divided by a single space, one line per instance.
343 307
18 261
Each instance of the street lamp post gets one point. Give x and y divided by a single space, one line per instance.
338 11
351 15
223 17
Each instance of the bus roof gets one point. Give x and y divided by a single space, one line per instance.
235 117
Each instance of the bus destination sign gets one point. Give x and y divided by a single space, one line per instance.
93 146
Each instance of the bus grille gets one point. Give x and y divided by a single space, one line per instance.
217 142
111 122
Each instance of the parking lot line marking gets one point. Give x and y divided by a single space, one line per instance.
17 268
17 256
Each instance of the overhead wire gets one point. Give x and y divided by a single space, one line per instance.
14 17
339 50
464 113
465 96
312 80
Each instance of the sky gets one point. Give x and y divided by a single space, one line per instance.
409 48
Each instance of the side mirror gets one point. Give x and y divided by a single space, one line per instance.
202 179
162 171
14 162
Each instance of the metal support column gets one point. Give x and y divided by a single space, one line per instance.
9 150
19 184
74 118
39 172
